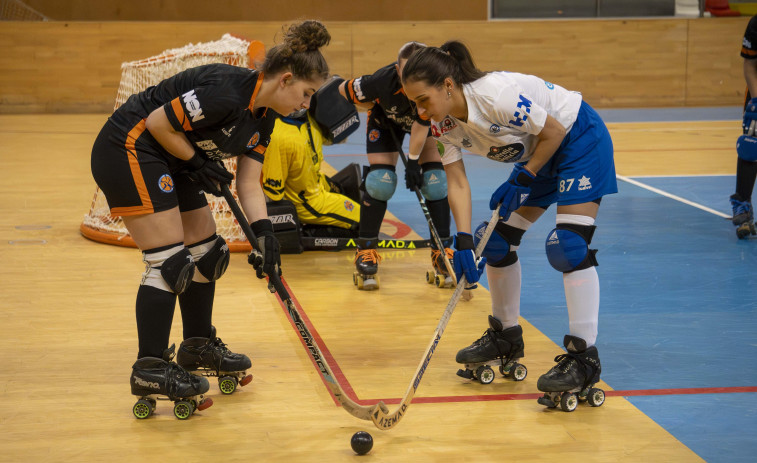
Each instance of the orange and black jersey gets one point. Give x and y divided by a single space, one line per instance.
212 105
749 44
384 88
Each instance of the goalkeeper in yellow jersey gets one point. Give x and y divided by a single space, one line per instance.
292 172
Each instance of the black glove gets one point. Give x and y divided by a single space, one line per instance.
413 176
270 260
210 174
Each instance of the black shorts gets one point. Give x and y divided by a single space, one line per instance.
135 175
379 130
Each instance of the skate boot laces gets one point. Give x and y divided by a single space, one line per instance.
368 255
742 210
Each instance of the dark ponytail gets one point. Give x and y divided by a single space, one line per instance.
300 52
434 64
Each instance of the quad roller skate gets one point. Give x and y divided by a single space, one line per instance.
366 265
572 379
497 347
743 217
211 357
439 275
154 379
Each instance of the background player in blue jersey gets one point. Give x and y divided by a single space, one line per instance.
746 147
563 154
154 159
390 117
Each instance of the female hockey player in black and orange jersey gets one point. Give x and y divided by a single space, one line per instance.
154 158
391 116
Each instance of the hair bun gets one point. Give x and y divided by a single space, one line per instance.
309 35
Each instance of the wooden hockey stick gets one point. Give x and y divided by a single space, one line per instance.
381 418
467 295
358 411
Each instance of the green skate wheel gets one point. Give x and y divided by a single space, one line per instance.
596 397
183 409
142 409
227 384
518 372
485 374
568 401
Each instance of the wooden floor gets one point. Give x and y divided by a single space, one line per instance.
68 338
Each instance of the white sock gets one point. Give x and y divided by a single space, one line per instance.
504 286
582 292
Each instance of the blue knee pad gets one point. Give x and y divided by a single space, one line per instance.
434 185
497 250
380 183
568 247
746 148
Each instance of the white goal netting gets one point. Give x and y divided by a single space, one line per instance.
136 76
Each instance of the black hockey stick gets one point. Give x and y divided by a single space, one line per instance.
467 295
381 417
356 410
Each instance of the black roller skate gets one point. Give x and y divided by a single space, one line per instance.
211 357
439 275
155 379
573 378
366 265
496 347
743 217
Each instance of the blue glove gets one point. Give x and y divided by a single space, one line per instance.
464 260
513 193
750 118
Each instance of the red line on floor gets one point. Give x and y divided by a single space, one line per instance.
347 387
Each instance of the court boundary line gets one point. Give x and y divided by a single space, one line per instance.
348 389
672 196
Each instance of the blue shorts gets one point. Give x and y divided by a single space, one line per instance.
582 170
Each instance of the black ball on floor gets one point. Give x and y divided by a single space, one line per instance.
361 442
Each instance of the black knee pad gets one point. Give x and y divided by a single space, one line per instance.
215 260
568 247
178 270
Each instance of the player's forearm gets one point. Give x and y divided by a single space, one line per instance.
250 190
418 135
459 196
550 139
161 130
750 75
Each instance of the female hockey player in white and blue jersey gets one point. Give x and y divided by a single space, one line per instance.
563 154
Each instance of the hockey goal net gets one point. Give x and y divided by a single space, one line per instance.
98 224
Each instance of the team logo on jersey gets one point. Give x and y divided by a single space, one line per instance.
374 135
508 153
521 115
435 132
584 183
549 85
495 128
254 140
440 148
357 89
228 132
206 145
466 143
349 205
193 105
447 125
165 183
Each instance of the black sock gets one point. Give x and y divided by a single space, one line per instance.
196 305
440 215
155 309
372 213
746 172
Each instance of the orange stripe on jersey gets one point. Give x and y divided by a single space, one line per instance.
178 111
136 171
256 91
748 52
259 149
401 90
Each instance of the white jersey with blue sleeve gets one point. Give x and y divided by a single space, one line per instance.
506 112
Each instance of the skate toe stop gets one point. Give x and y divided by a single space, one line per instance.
204 404
246 380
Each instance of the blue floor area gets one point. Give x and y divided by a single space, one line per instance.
679 304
